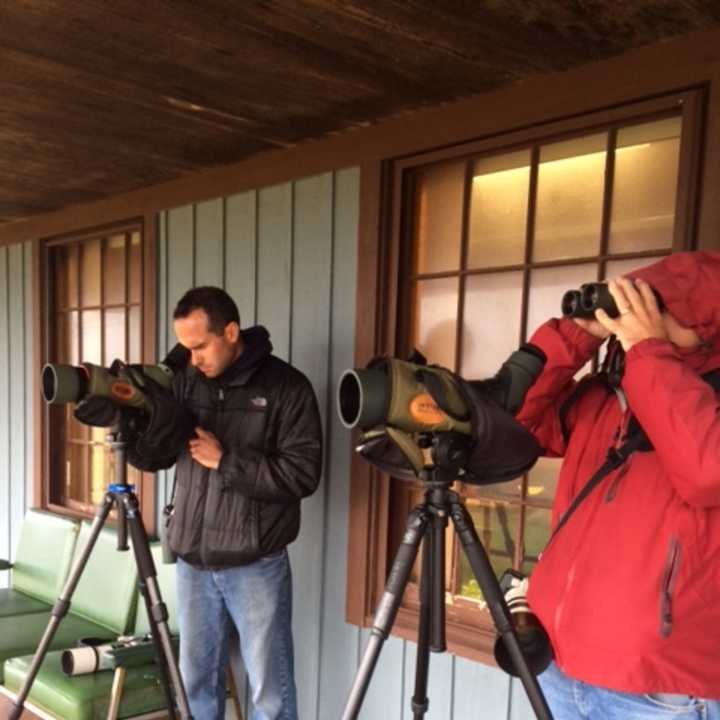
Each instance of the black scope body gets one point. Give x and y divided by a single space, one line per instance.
594 296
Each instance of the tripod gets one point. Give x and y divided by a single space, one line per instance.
426 524
122 496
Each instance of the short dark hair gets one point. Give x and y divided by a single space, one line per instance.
217 304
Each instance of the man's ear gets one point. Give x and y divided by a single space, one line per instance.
232 332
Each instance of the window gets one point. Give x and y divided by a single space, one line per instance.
487 238
94 313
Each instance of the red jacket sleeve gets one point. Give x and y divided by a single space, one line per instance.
680 414
567 347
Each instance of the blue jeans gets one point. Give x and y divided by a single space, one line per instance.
575 700
257 598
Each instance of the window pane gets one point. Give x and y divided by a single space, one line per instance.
74 463
498 210
134 476
617 268
67 339
91 350
98 434
645 186
81 460
134 335
537 534
497 526
66 263
91 273
438 217
491 328
102 465
542 480
114 335
510 490
75 430
114 270
135 283
436 320
571 180
547 287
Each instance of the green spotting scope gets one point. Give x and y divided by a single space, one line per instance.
399 399
402 407
121 383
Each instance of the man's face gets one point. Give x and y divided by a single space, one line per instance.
211 354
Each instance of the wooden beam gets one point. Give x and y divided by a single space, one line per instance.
691 60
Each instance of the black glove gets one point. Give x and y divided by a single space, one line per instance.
98 411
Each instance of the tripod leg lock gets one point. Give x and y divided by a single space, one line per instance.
420 707
160 613
60 609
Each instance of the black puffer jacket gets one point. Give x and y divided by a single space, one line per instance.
265 415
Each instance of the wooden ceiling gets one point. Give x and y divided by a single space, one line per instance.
99 97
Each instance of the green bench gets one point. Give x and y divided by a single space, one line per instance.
103 604
87 697
44 552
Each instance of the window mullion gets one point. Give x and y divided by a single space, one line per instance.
607 200
529 239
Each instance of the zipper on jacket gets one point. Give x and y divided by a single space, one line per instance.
670 573
206 471
218 410
612 490
618 440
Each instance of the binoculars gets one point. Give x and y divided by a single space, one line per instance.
594 296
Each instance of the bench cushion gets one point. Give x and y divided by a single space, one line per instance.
20 635
107 591
13 602
45 550
85 697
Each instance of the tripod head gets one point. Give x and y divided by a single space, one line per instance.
449 452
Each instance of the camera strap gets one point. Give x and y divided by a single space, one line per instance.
615 458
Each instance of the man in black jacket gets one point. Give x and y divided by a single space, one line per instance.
257 452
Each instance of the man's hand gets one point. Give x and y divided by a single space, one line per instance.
206 449
639 319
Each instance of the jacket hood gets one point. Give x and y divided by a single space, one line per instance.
689 284
257 348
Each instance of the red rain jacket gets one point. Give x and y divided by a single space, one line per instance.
629 589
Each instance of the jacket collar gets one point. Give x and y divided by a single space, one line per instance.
257 349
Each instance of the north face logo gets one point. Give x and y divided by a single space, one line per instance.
259 401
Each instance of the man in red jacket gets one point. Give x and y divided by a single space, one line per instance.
629 589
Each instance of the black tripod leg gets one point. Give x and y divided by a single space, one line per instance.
157 610
420 702
388 607
62 605
485 576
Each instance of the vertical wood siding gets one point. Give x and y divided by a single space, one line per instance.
16 388
288 256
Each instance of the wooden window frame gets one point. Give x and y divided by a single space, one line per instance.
384 198
42 316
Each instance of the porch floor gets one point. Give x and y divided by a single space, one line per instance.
6 707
